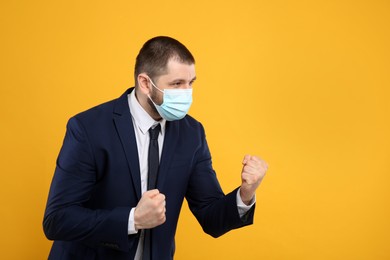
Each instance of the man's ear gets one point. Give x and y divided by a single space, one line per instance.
144 83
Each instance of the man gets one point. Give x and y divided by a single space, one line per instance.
125 167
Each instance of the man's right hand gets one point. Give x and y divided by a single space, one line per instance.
150 211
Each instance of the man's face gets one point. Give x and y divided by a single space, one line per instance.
179 76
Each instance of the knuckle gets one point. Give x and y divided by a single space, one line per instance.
155 204
161 211
160 219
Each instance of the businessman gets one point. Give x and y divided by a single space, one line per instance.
126 166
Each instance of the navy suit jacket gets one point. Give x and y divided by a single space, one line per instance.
97 182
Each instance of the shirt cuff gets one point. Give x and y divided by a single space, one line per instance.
131 226
242 208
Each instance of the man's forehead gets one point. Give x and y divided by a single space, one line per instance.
179 69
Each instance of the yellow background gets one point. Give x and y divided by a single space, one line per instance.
303 84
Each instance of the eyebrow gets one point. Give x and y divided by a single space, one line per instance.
179 79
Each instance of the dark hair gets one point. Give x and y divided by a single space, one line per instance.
154 55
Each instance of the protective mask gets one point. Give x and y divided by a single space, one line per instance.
176 103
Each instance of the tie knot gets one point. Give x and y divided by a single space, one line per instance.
153 132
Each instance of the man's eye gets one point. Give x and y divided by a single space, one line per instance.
176 84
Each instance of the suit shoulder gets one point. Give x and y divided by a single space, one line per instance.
105 109
98 110
189 120
191 124
93 118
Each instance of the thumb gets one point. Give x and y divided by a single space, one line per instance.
247 157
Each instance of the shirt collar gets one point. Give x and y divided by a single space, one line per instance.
142 119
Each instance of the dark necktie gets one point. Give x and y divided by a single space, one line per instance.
153 157
153 163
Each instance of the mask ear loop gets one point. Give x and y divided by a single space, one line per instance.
155 85
150 98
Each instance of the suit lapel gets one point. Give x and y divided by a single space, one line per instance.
124 126
170 142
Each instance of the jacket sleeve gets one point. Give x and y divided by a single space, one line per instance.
66 217
217 213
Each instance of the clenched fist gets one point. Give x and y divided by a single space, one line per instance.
150 211
253 172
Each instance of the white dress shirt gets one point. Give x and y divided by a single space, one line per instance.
142 121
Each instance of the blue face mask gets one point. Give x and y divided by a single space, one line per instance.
176 103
